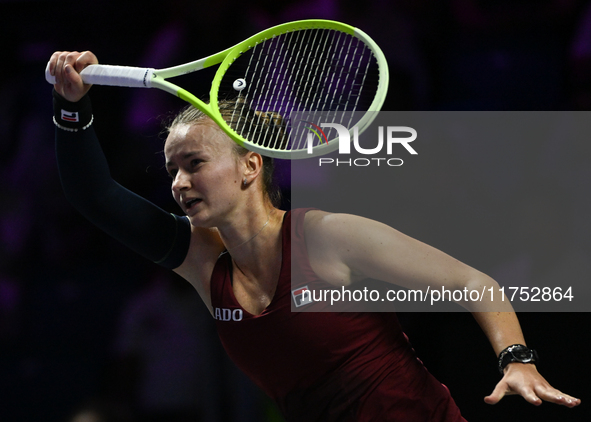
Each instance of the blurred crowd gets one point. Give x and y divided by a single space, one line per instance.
91 332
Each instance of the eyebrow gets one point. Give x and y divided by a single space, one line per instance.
184 157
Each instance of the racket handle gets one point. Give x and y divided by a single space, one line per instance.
102 74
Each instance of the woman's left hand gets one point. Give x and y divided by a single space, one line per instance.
525 380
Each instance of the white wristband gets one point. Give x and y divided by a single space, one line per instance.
70 129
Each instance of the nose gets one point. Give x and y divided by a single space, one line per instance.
181 182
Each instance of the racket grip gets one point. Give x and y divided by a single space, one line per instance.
102 74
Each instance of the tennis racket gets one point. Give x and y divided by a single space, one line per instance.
279 86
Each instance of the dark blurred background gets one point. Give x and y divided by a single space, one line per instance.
88 328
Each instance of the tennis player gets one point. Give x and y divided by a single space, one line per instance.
239 251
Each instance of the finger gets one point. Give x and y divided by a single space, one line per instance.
498 393
553 395
59 67
73 76
528 393
531 397
69 68
64 58
71 58
52 62
85 59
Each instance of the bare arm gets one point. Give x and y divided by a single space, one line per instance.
345 248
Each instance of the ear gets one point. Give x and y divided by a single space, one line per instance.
253 166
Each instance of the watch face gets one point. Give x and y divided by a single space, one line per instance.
522 354
516 353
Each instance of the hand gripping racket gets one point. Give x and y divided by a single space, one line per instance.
279 86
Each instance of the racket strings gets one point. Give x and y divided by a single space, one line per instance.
328 75
318 94
274 102
257 130
277 142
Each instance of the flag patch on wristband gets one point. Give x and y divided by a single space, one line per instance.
70 116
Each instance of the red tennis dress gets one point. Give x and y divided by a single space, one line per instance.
325 366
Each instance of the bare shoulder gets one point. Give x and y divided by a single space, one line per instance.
330 239
324 227
204 250
316 225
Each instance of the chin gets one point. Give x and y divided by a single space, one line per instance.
198 220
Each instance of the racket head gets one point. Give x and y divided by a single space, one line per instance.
275 88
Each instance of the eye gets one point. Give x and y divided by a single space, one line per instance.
172 173
195 162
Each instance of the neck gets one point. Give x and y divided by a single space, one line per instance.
252 232
233 248
257 254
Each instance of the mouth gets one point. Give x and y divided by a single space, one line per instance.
190 203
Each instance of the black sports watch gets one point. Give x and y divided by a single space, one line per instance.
517 353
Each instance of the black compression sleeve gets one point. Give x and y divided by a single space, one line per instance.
142 226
